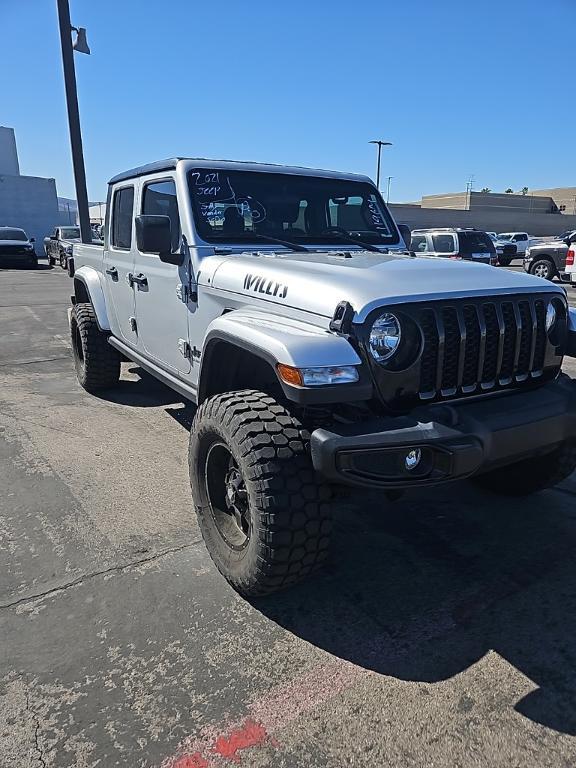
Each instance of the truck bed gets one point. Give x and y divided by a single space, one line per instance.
85 254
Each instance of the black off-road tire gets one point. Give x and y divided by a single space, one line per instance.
97 363
531 475
63 261
289 519
504 261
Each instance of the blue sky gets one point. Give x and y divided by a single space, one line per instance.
460 88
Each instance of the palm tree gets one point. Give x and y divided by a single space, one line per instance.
524 190
485 189
509 191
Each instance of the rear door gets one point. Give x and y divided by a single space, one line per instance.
160 293
444 244
119 254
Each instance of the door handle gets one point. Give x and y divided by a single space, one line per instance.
139 279
112 271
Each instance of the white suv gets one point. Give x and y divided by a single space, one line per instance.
454 243
570 265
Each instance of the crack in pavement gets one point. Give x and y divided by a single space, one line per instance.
31 362
85 576
36 719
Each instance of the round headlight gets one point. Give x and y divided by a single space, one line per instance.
550 317
384 337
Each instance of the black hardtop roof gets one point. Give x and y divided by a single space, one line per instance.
170 164
160 165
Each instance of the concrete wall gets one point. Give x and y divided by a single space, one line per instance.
8 152
562 196
29 202
497 220
467 200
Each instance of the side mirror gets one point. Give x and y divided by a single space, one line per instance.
154 235
32 239
404 230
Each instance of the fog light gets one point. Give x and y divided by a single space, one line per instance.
412 459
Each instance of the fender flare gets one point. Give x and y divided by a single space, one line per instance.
277 339
92 282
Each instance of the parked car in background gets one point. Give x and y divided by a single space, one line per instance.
547 259
58 246
454 243
16 248
505 249
520 239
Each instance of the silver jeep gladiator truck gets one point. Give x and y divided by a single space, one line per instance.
283 302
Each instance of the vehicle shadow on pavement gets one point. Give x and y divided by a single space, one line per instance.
422 589
145 391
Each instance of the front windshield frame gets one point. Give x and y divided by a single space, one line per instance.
297 186
13 233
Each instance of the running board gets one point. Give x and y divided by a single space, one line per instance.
188 391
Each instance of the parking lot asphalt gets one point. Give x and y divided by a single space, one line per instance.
441 633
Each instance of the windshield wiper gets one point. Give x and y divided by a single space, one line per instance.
285 243
347 238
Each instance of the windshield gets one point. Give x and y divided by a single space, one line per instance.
7 233
231 205
505 236
69 233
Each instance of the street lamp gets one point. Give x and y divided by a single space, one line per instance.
388 189
380 145
68 49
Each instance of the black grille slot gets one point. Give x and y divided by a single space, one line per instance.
472 351
492 340
481 345
540 346
451 348
430 354
525 339
507 368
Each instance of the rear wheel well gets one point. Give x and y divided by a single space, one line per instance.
227 367
81 292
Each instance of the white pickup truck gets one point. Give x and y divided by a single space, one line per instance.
282 302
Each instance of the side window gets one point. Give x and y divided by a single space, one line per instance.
122 212
443 243
522 238
418 243
159 199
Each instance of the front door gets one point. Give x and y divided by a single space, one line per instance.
161 300
119 265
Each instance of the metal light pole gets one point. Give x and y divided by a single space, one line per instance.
66 29
388 189
380 145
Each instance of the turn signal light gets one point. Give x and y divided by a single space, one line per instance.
570 257
290 375
320 376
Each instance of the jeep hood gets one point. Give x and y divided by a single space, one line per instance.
318 281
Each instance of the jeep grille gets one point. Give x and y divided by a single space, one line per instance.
476 347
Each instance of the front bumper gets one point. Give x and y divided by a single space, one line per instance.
455 441
9 259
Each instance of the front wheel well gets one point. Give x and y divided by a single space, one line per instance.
227 367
